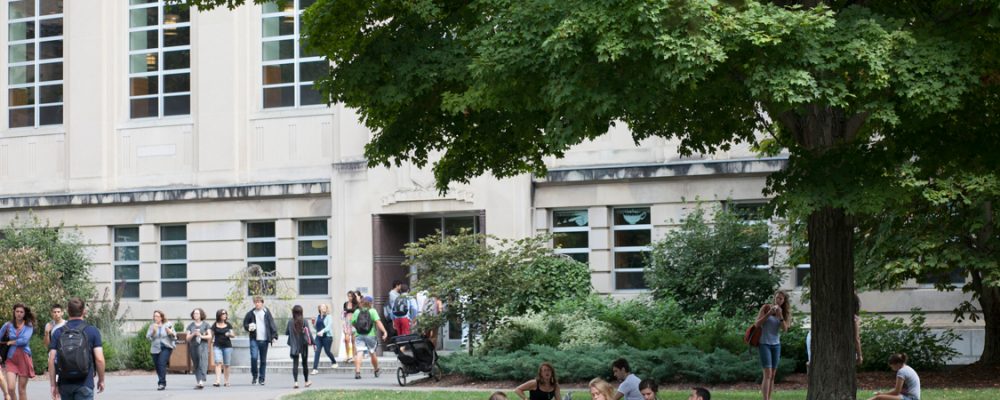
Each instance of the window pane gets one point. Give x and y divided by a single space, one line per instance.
176 83
453 225
569 240
21 52
173 289
173 252
50 94
801 274
304 4
179 59
279 97
424 227
126 235
135 2
22 74
139 63
570 218
260 229
129 290
143 85
176 13
49 7
310 95
281 73
749 211
279 50
177 105
21 96
50 49
581 257
267 266
127 253
265 249
313 267
632 216
632 238
139 17
312 247
143 40
126 272
313 286
629 280
51 27
305 50
142 108
50 71
21 117
312 228
278 26
51 115
173 36
630 259
173 271
21 31
311 71
173 232
21 9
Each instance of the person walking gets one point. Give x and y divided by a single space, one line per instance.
222 346
260 324
772 320
364 321
299 339
323 326
629 388
78 347
907 381
161 337
19 366
198 335
545 386
56 312
352 303
601 390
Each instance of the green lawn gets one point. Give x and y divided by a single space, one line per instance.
939 394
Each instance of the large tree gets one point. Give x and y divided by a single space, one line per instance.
496 86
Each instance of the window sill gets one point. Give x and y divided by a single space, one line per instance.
180 120
292 112
32 131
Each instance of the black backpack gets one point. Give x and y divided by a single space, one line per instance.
401 307
363 324
75 355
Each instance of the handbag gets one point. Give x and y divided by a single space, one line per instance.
752 336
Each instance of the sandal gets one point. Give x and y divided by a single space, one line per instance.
377 371
227 384
216 384
357 375
308 384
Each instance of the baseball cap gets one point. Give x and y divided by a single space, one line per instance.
368 299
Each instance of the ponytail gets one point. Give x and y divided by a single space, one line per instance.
897 359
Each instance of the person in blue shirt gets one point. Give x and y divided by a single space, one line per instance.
323 326
19 365
83 388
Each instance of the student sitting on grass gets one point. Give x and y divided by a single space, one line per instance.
907 381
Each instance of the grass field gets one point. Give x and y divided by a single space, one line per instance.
938 394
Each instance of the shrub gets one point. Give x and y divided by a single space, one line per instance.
39 353
140 355
32 277
925 350
59 246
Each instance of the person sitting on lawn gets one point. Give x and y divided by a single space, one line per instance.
648 389
907 381
699 393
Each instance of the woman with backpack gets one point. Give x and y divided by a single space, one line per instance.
772 320
19 365
364 321
161 337
198 336
299 339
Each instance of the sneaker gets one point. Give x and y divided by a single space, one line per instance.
254 381
296 385
377 371
357 375
308 384
315 372
161 387
261 381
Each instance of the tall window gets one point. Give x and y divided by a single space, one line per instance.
159 54
571 229
173 261
633 232
755 213
313 258
288 70
126 264
261 244
35 62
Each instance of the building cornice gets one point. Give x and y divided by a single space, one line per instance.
169 194
676 169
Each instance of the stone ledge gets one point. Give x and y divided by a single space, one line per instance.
678 169
157 195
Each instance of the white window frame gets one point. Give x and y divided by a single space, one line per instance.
325 258
35 63
767 222
172 261
628 249
297 59
571 229
272 239
798 270
160 72
116 263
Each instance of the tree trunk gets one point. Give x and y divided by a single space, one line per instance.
989 300
831 258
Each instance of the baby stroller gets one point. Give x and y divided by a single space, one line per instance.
416 354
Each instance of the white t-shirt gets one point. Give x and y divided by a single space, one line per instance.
630 388
258 316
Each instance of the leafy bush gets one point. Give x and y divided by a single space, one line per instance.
59 246
679 364
35 280
39 353
925 350
140 356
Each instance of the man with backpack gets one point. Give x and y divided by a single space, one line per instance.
75 353
403 311
364 320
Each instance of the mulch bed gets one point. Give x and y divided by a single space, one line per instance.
969 376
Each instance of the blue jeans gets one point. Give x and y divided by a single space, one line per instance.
75 392
258 351
160 360
770 354
324 343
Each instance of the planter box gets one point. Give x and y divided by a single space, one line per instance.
180 361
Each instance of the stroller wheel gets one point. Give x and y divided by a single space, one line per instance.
401 376
436 372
